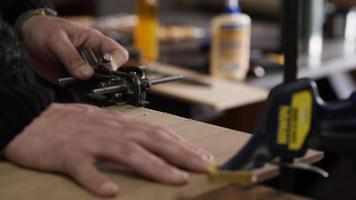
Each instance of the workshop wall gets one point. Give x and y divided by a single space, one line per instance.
107 7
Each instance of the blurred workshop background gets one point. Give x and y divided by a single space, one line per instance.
327 54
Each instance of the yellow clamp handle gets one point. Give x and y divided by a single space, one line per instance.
231 177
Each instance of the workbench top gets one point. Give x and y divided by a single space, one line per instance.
18 184
221 95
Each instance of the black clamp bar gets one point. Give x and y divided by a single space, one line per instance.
290 47
290 38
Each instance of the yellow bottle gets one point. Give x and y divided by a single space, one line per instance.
231 35
146 32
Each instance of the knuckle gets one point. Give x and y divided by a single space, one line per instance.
94 31
116 113
74 108
128 148
163 166
81 36
119 115
55 106
84 107
161 129
74 61
123 120
157 134
84 34
87 109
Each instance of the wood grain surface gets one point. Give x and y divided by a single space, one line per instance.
257 192
21 184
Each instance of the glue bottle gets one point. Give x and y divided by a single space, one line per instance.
146 33
231 35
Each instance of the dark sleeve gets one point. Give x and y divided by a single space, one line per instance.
21 98
12 9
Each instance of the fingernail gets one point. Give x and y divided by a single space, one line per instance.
179 174
85 71
207 160
114 65
109 188
185 175
206 156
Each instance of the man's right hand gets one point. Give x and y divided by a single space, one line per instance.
72 138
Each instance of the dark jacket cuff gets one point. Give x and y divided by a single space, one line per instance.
12 9
22 99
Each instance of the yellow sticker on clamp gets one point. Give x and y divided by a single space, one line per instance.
294 121
230 177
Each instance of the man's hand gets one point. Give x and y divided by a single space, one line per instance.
71 139
51 42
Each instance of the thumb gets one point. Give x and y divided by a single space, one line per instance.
89 177
65 51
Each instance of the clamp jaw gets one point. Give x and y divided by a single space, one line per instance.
293 114
128 85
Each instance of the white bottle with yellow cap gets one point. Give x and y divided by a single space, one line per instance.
231 35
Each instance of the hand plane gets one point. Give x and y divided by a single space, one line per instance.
127 85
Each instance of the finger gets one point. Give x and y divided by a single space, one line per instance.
141 161
175 151
65 51
117 117
166 144
144 126
103 44
140 125
89 177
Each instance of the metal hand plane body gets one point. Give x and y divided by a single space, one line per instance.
128 85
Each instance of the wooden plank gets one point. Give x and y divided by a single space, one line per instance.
258 192
222 94
17 183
